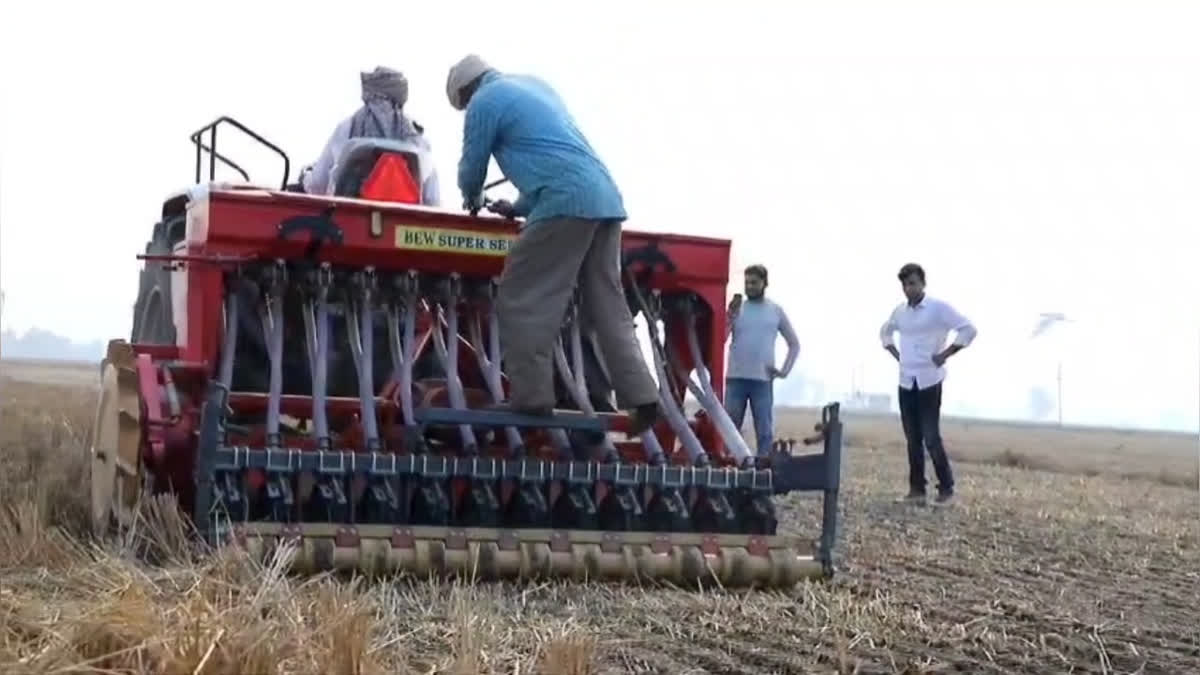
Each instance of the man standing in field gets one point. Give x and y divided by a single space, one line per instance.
571 237
924 324
750 373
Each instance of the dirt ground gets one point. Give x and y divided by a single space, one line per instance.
1068 551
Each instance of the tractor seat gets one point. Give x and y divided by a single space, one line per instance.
381 169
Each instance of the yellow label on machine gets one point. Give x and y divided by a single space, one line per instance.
417 238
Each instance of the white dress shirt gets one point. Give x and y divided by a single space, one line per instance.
923 330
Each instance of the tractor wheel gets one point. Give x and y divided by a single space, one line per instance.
115 441
153 320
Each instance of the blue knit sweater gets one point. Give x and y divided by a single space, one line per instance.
524 123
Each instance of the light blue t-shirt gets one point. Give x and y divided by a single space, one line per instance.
752 344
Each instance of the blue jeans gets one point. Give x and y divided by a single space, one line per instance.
760 394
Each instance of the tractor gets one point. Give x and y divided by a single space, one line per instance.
321 371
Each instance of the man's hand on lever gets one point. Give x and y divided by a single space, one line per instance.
502 208
473 204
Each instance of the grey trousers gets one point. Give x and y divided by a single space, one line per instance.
541 272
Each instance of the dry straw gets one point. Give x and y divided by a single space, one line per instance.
1034 571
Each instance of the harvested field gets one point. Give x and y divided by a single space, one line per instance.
1067 552
36 371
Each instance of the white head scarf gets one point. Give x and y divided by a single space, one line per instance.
384 93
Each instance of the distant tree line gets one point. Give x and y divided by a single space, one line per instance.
42 344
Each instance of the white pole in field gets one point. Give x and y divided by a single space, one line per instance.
1045 321
1059 394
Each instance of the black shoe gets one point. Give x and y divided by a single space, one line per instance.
644 417
944 497
915 497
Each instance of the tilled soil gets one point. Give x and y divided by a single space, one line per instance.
1028 572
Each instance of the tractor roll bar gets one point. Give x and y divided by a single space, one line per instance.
213 155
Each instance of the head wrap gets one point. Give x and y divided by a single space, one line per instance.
384 93
461 74
385 84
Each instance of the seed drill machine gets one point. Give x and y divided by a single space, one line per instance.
322 369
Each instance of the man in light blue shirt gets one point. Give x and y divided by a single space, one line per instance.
571 236
750 373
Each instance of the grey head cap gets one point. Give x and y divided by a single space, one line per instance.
461 74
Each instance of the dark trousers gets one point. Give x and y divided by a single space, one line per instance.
543 268
920 413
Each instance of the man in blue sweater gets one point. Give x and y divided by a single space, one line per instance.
571 236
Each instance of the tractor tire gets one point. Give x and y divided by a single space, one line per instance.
153 315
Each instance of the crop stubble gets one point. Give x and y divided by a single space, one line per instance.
1031 571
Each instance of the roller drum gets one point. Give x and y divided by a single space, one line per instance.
775 562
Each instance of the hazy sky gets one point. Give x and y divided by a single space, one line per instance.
1033 156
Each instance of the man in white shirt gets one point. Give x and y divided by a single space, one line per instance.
924 324
750 371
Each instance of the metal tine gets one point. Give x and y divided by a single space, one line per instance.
359 332
655 454
316 328
602 363
310 334
729 435
404 349
409 290
225 376
209 482
396 346
321 385
491 369
352 329
308 314
458 397
366 376
271 311
562 443
448 311
272 317
703 391
574 378
670 405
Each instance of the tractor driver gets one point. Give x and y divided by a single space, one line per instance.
381 115
571 236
